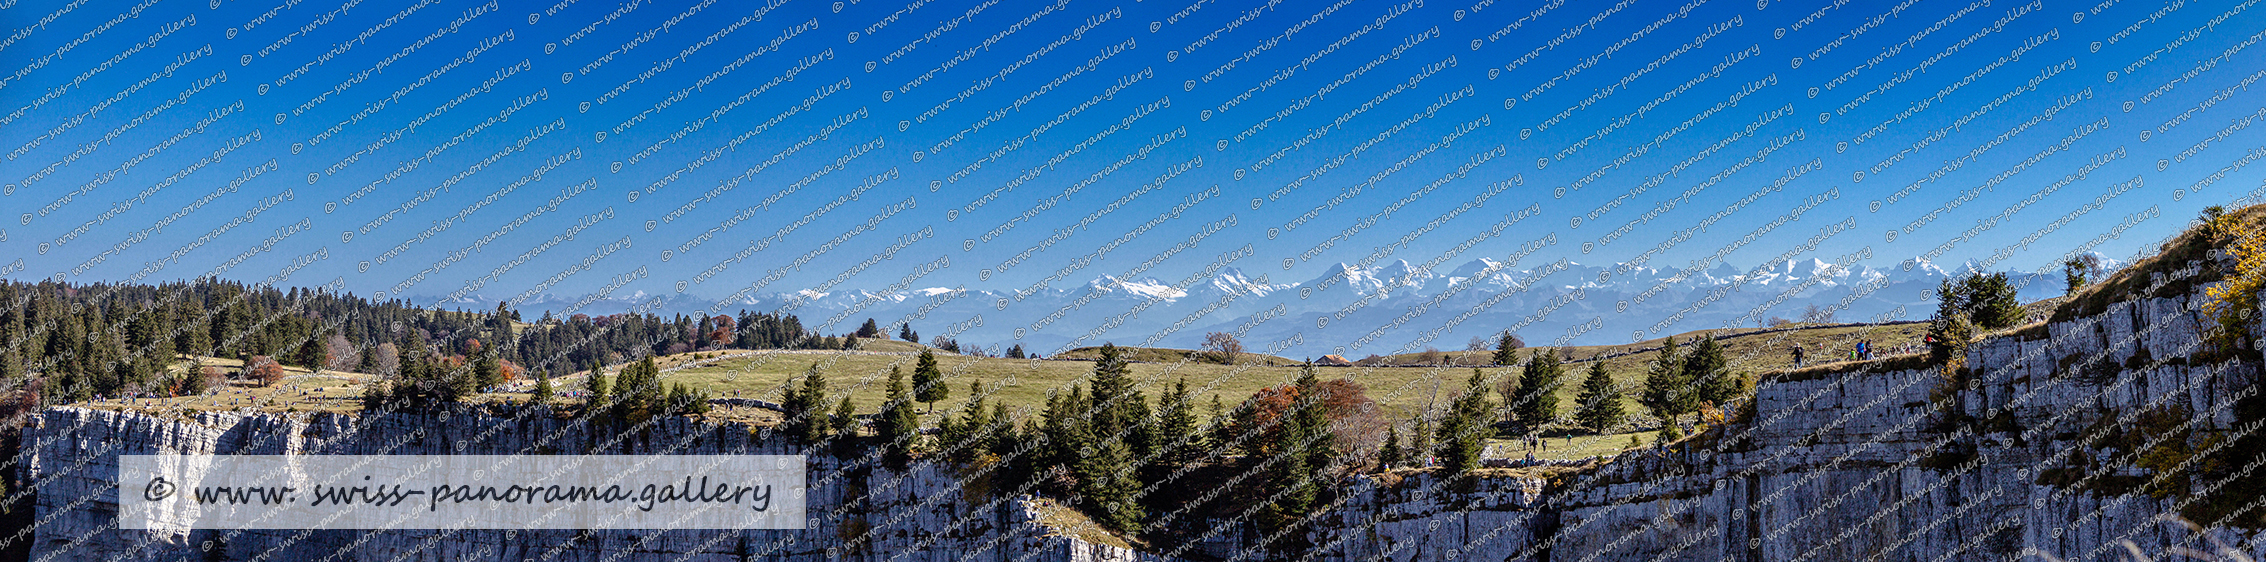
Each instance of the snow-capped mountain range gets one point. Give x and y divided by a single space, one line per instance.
1391 307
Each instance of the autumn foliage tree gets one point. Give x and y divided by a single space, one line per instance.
1356 424
263 369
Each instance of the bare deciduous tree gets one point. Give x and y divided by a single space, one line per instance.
1815 315
388 359
1223 346
342 353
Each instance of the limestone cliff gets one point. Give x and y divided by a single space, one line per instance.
2066 441
71 457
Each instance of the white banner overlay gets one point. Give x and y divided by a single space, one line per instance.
461 491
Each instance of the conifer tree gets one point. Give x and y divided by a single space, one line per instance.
696 400
1106 477
1306 450
598 387
369 364
804 408
1004 440
543 390
638 391
1116 404
1317 443
1293 487
1537 394
928 381
965 437
487 372
1600 402
1390 454
1506 349
311 355
1178 439
898 426
845 425
1462 430
678 401
1993 301
1709 373
1666 390
950 434
1419 440
12 339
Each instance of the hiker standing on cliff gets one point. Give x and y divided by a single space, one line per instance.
1797 355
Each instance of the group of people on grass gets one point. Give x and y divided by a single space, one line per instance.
1864 351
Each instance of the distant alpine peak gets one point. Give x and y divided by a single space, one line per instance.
1232 280
1149 288
1473 267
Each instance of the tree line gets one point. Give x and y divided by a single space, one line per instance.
67 342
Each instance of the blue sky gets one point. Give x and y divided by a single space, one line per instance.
827 118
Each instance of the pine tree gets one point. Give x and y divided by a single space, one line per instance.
311 355
1993 301
1506 349
1600 402
11 339
1666 391
1004 441
487 372
696 401
369 364
967 436
899 426
1419 440
928 380
869 329
845 425
1106 477
543 390
1538 385
1178 439
804 408
1710 373
1141 426
1064 429
1307 450
1462 431
1015 352
1390 454
905 332
678 401
638 391
1113 393
598 388
1317 443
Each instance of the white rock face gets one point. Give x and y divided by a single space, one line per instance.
1859 465
72 458
1880 463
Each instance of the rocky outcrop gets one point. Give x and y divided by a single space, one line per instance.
2066 441
2069 440
71 455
